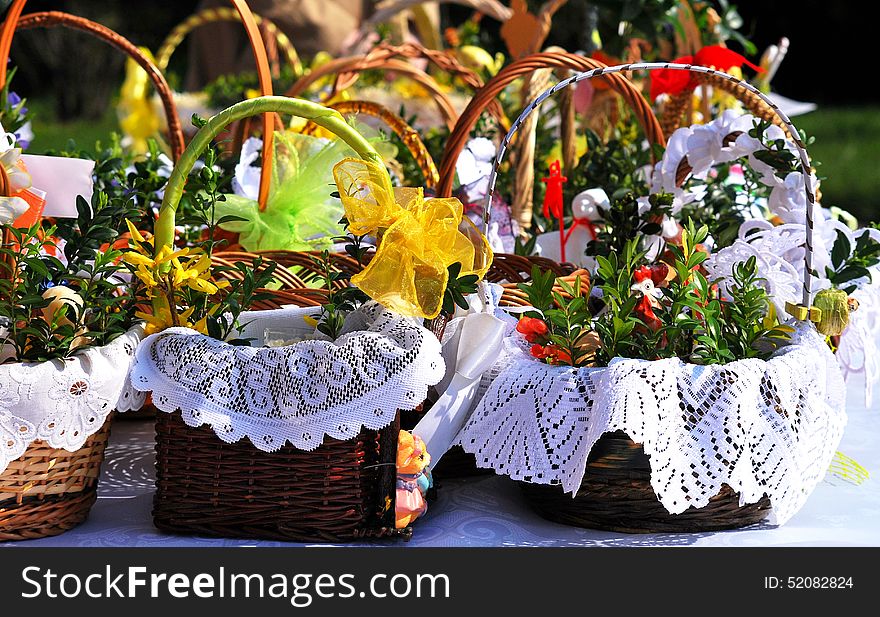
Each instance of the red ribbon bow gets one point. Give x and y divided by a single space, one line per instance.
672 82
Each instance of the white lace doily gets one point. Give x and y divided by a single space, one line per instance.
64 402
762 427
297 393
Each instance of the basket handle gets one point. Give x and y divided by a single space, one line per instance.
386 10
383 57
264 76
218 14
324 117
351 65
671 113
52 19
526 65
652 66
408 135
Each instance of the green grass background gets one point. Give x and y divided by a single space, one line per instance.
847 146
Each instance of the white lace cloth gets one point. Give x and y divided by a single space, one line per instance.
297 393
762 427
64 402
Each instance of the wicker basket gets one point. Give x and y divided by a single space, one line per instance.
616 493
392 58
335 493
277 41
525 67
48 491
341 491
55 19
674 110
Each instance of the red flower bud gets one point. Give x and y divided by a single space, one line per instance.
532 328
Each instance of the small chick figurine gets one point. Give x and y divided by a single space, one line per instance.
413 479
836 306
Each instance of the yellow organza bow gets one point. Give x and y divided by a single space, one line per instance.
137 117
418 239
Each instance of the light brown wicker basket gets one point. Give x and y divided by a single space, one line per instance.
47 490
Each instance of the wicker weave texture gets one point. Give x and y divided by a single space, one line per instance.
48 491
616 495
205 486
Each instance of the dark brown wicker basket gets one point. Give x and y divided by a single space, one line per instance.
342 491
616 495
48 490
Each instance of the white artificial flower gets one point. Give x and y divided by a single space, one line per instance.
246 182
475 161
706 146
857 349
11 208
663 179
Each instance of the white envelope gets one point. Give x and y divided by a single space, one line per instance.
62 179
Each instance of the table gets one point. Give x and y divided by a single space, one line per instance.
489 510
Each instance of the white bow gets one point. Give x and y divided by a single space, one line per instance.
471 351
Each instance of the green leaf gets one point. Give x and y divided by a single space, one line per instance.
841 250
230 218
696 258
848 273
36 264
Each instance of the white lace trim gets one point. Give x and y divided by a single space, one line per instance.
297 393
64 402
762 427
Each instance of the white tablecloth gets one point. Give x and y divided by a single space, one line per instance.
489 511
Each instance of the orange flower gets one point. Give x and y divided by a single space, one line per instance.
532 328
553 354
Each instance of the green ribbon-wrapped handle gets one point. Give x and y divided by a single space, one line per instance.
324 117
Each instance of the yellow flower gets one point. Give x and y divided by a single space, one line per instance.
161 318
200 284
166 254
137 259
146 276
133 232
201 326
202 264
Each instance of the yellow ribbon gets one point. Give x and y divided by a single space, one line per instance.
137 116
419 239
